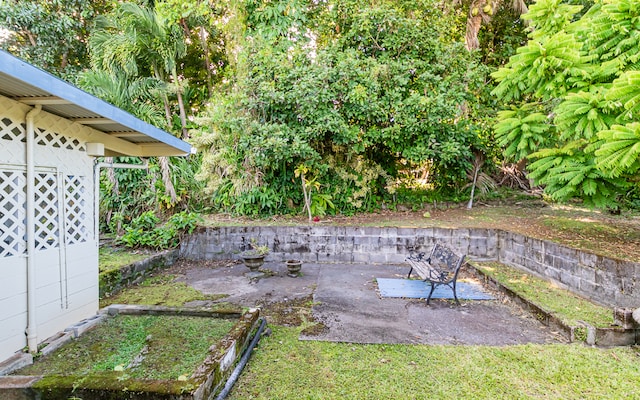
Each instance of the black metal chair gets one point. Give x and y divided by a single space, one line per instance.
440 268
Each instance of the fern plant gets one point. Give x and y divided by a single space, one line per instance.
584 114
570 172
521 132
583 76
620 151
626 91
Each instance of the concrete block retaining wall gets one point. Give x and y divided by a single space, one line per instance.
604 280
111 282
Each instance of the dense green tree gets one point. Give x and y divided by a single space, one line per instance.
136 53
51 34
352 91
202 24
574 100
137 41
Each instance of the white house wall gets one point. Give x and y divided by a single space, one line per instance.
66 251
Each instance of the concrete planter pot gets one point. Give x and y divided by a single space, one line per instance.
253 261
293 267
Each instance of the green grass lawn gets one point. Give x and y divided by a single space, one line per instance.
283 367
567 306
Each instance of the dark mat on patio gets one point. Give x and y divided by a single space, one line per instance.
417 289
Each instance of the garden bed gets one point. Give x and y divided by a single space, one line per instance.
145 352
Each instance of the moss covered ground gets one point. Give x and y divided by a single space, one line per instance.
139 347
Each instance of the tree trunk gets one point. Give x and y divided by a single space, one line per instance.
169 190
183 113
166 179
483 11
207 62
474 22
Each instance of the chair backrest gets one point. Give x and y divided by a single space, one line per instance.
445 259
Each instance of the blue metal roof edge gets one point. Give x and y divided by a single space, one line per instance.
43 80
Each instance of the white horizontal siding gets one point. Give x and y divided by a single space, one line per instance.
47 267
13 305
12 336
13 278
81 300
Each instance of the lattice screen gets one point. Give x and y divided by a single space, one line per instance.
10 130
49 138
12 213
47 230
77 209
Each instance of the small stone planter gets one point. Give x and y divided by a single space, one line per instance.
293 267
253 261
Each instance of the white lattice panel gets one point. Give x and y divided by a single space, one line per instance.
65 153
12 138
12 130
50 138
12 213
77 209
46 211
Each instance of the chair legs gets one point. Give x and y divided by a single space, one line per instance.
455 296
433 287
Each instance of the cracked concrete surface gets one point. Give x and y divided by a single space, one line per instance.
347 303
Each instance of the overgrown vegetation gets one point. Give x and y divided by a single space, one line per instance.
357 95
146 230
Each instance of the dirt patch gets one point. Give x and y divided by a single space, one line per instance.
295 312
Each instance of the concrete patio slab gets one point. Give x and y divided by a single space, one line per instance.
346 301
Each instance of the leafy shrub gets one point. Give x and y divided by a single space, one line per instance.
144 231
363 106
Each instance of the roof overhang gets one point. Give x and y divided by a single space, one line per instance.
124 133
